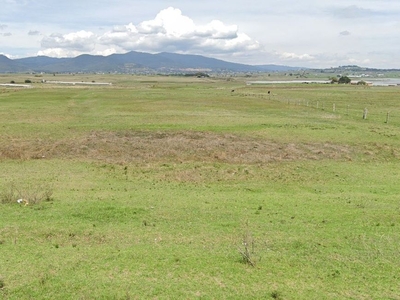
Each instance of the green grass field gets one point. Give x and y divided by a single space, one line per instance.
178 188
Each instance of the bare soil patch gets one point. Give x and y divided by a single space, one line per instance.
146 146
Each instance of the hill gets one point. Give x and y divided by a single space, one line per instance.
131 62
7 65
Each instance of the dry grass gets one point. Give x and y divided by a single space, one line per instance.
29 193
145 147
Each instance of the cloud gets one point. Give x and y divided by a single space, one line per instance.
3 26
170 22
352 11
7 34
83 41
345 33
294 56
33 32
10 56
170 31
59 52
106 52
217 30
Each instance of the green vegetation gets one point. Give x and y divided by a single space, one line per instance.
183 188
197 74
344 79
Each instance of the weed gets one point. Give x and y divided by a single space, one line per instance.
247 249
8 195
26 194
43 279
2 283
275 295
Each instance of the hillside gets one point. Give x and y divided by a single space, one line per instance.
131 62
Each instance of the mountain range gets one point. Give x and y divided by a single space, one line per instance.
131 62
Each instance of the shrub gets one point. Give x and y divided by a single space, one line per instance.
9 194
31 194
334 79
344 79
247 249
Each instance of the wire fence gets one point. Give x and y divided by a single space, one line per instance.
366 111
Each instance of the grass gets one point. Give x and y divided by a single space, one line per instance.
157 181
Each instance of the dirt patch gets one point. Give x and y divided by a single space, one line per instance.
141 146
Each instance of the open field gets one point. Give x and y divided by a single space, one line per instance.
181 188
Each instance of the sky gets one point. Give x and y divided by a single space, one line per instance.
307 33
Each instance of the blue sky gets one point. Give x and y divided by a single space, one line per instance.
296 33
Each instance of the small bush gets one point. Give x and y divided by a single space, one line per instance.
9 194
344 80
247 249
28 81
361 82
31 193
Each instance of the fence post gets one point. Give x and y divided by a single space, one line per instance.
387 117
334 107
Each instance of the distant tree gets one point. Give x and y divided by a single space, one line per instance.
361 82
12 81
197 74
344 79
28 81
334 80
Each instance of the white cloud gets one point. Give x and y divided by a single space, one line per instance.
59 52
169 21
76 42
217 30
6 55
169 31
294 56
352 11
107 52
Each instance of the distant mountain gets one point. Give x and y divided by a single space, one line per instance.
8 65
278 68
131 62
201 62
354 69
